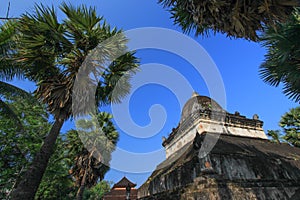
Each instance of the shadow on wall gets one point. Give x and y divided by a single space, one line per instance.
236 168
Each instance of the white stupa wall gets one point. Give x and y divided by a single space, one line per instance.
201 125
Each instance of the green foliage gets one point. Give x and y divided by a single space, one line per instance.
276 136
19 145
57 182
290 122
52 52
18 148
90 161
71 160
97 192
8 42
238 19
9 92
282 61
8 71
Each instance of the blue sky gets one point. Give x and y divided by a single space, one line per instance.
237 60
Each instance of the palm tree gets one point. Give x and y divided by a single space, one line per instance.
14 118
8 71
282 61
89 167
236 18
51 54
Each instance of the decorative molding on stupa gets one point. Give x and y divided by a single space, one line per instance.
203 114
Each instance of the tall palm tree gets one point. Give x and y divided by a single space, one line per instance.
236 18
52 53
282 61
89 167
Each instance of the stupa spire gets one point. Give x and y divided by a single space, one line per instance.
195 94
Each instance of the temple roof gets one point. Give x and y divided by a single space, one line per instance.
234 160
235 145
123 183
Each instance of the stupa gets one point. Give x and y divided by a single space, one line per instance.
216 155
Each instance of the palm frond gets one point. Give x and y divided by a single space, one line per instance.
91 163
235 18
9 91
8 39
40 43
53 52
282 61
116 78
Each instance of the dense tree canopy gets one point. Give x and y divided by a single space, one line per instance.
57 183
290 124
236 18
98 191
18 145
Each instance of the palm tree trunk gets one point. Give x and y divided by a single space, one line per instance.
79 195
30 182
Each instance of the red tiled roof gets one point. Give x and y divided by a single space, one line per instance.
123 183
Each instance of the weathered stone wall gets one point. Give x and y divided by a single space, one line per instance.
212 190
236 168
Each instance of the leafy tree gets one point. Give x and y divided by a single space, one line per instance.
73 168
19 144
290 122
91 161
57 183
51 54
7 92
236 18
282 60
97 192
276 136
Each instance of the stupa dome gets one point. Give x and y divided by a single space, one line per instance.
197 103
